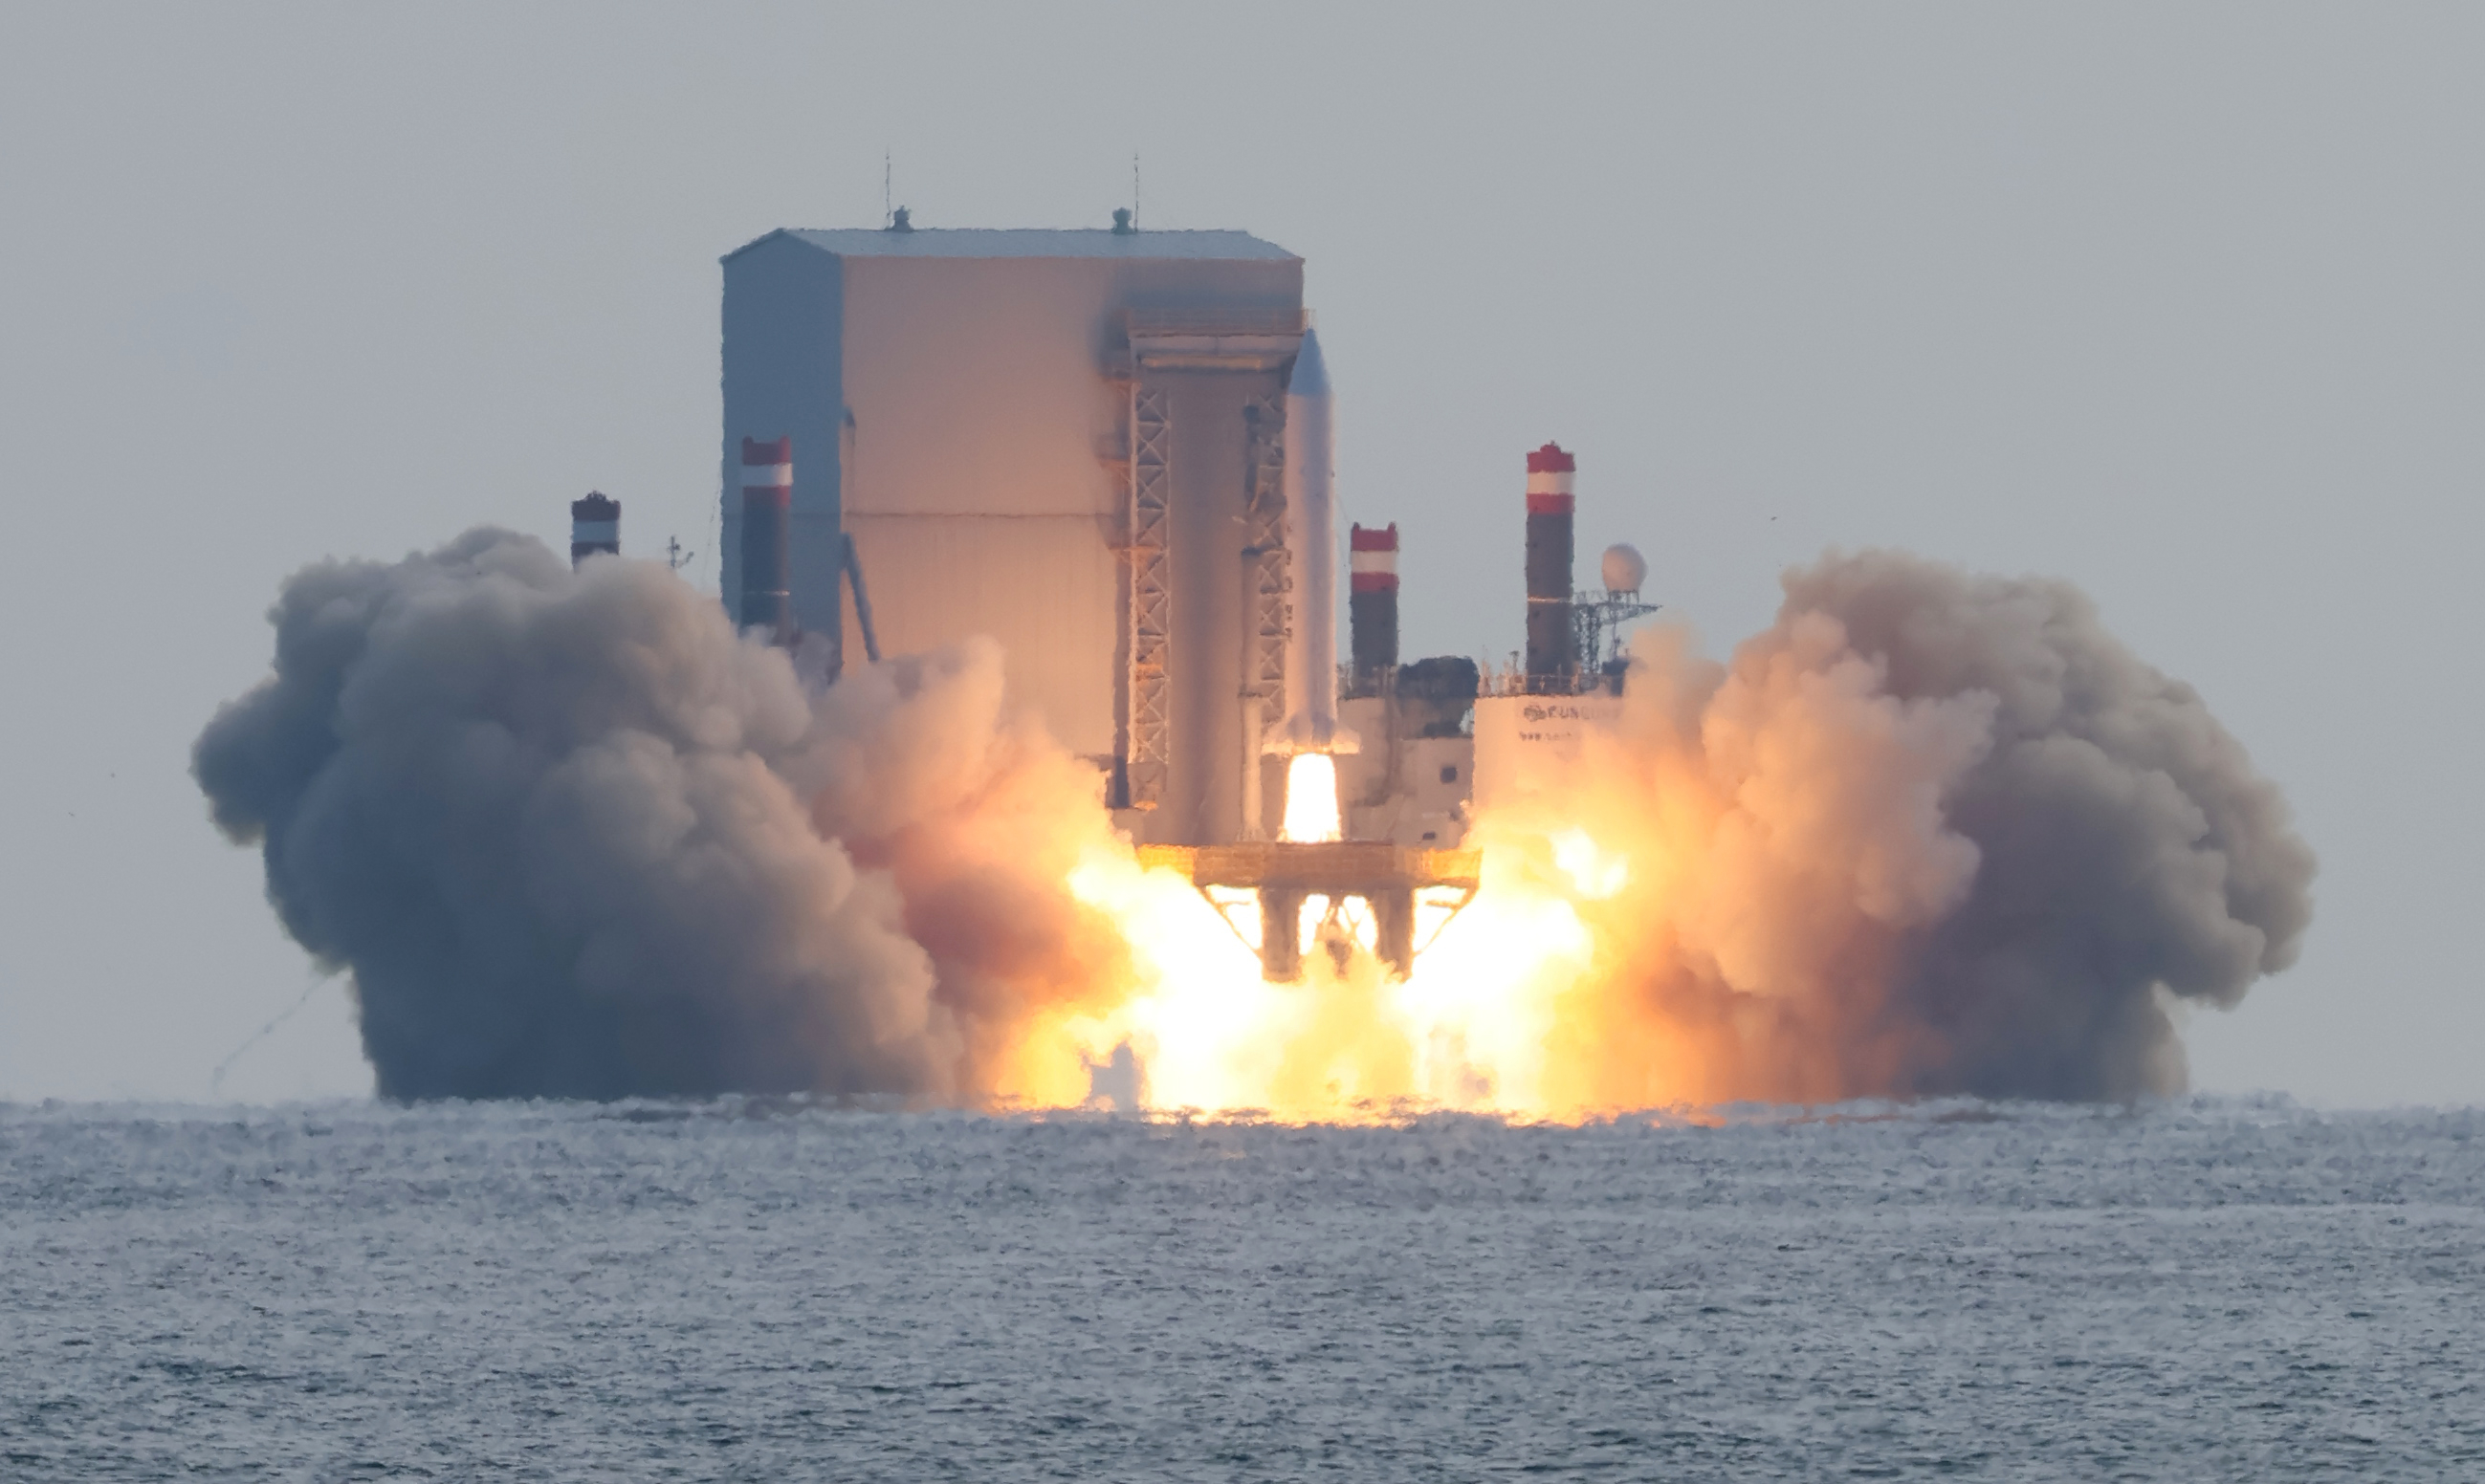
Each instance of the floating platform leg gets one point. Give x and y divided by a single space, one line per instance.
1393 921
1281 940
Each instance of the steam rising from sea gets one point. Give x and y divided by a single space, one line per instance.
573 837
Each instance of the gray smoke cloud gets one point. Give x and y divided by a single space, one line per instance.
574 837
1941 833
2127 844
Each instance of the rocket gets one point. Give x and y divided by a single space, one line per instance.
1310 723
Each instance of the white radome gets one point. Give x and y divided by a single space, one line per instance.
1624 569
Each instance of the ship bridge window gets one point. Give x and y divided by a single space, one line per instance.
1450 774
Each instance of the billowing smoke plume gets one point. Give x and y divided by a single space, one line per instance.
1929 833
573 837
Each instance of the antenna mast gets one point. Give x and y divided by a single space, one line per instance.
888 174
1134 190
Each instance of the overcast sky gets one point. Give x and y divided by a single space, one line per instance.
2184 304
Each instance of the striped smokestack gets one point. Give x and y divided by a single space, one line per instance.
1372 601
767 514
595 527
1551 649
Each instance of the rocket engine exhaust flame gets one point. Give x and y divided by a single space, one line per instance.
1311 799
1929 833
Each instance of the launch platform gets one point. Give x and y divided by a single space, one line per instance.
1412 893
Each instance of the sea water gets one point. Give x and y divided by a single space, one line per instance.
746 1290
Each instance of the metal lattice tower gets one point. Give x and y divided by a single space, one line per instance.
1598 620
1151 749
1264 547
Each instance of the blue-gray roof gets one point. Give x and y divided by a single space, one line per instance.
1030 242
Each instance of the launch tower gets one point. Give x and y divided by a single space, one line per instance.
1070 441
1113 451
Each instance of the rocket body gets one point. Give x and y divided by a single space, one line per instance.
1310 723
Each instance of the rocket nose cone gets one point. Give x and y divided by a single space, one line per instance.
1310 376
